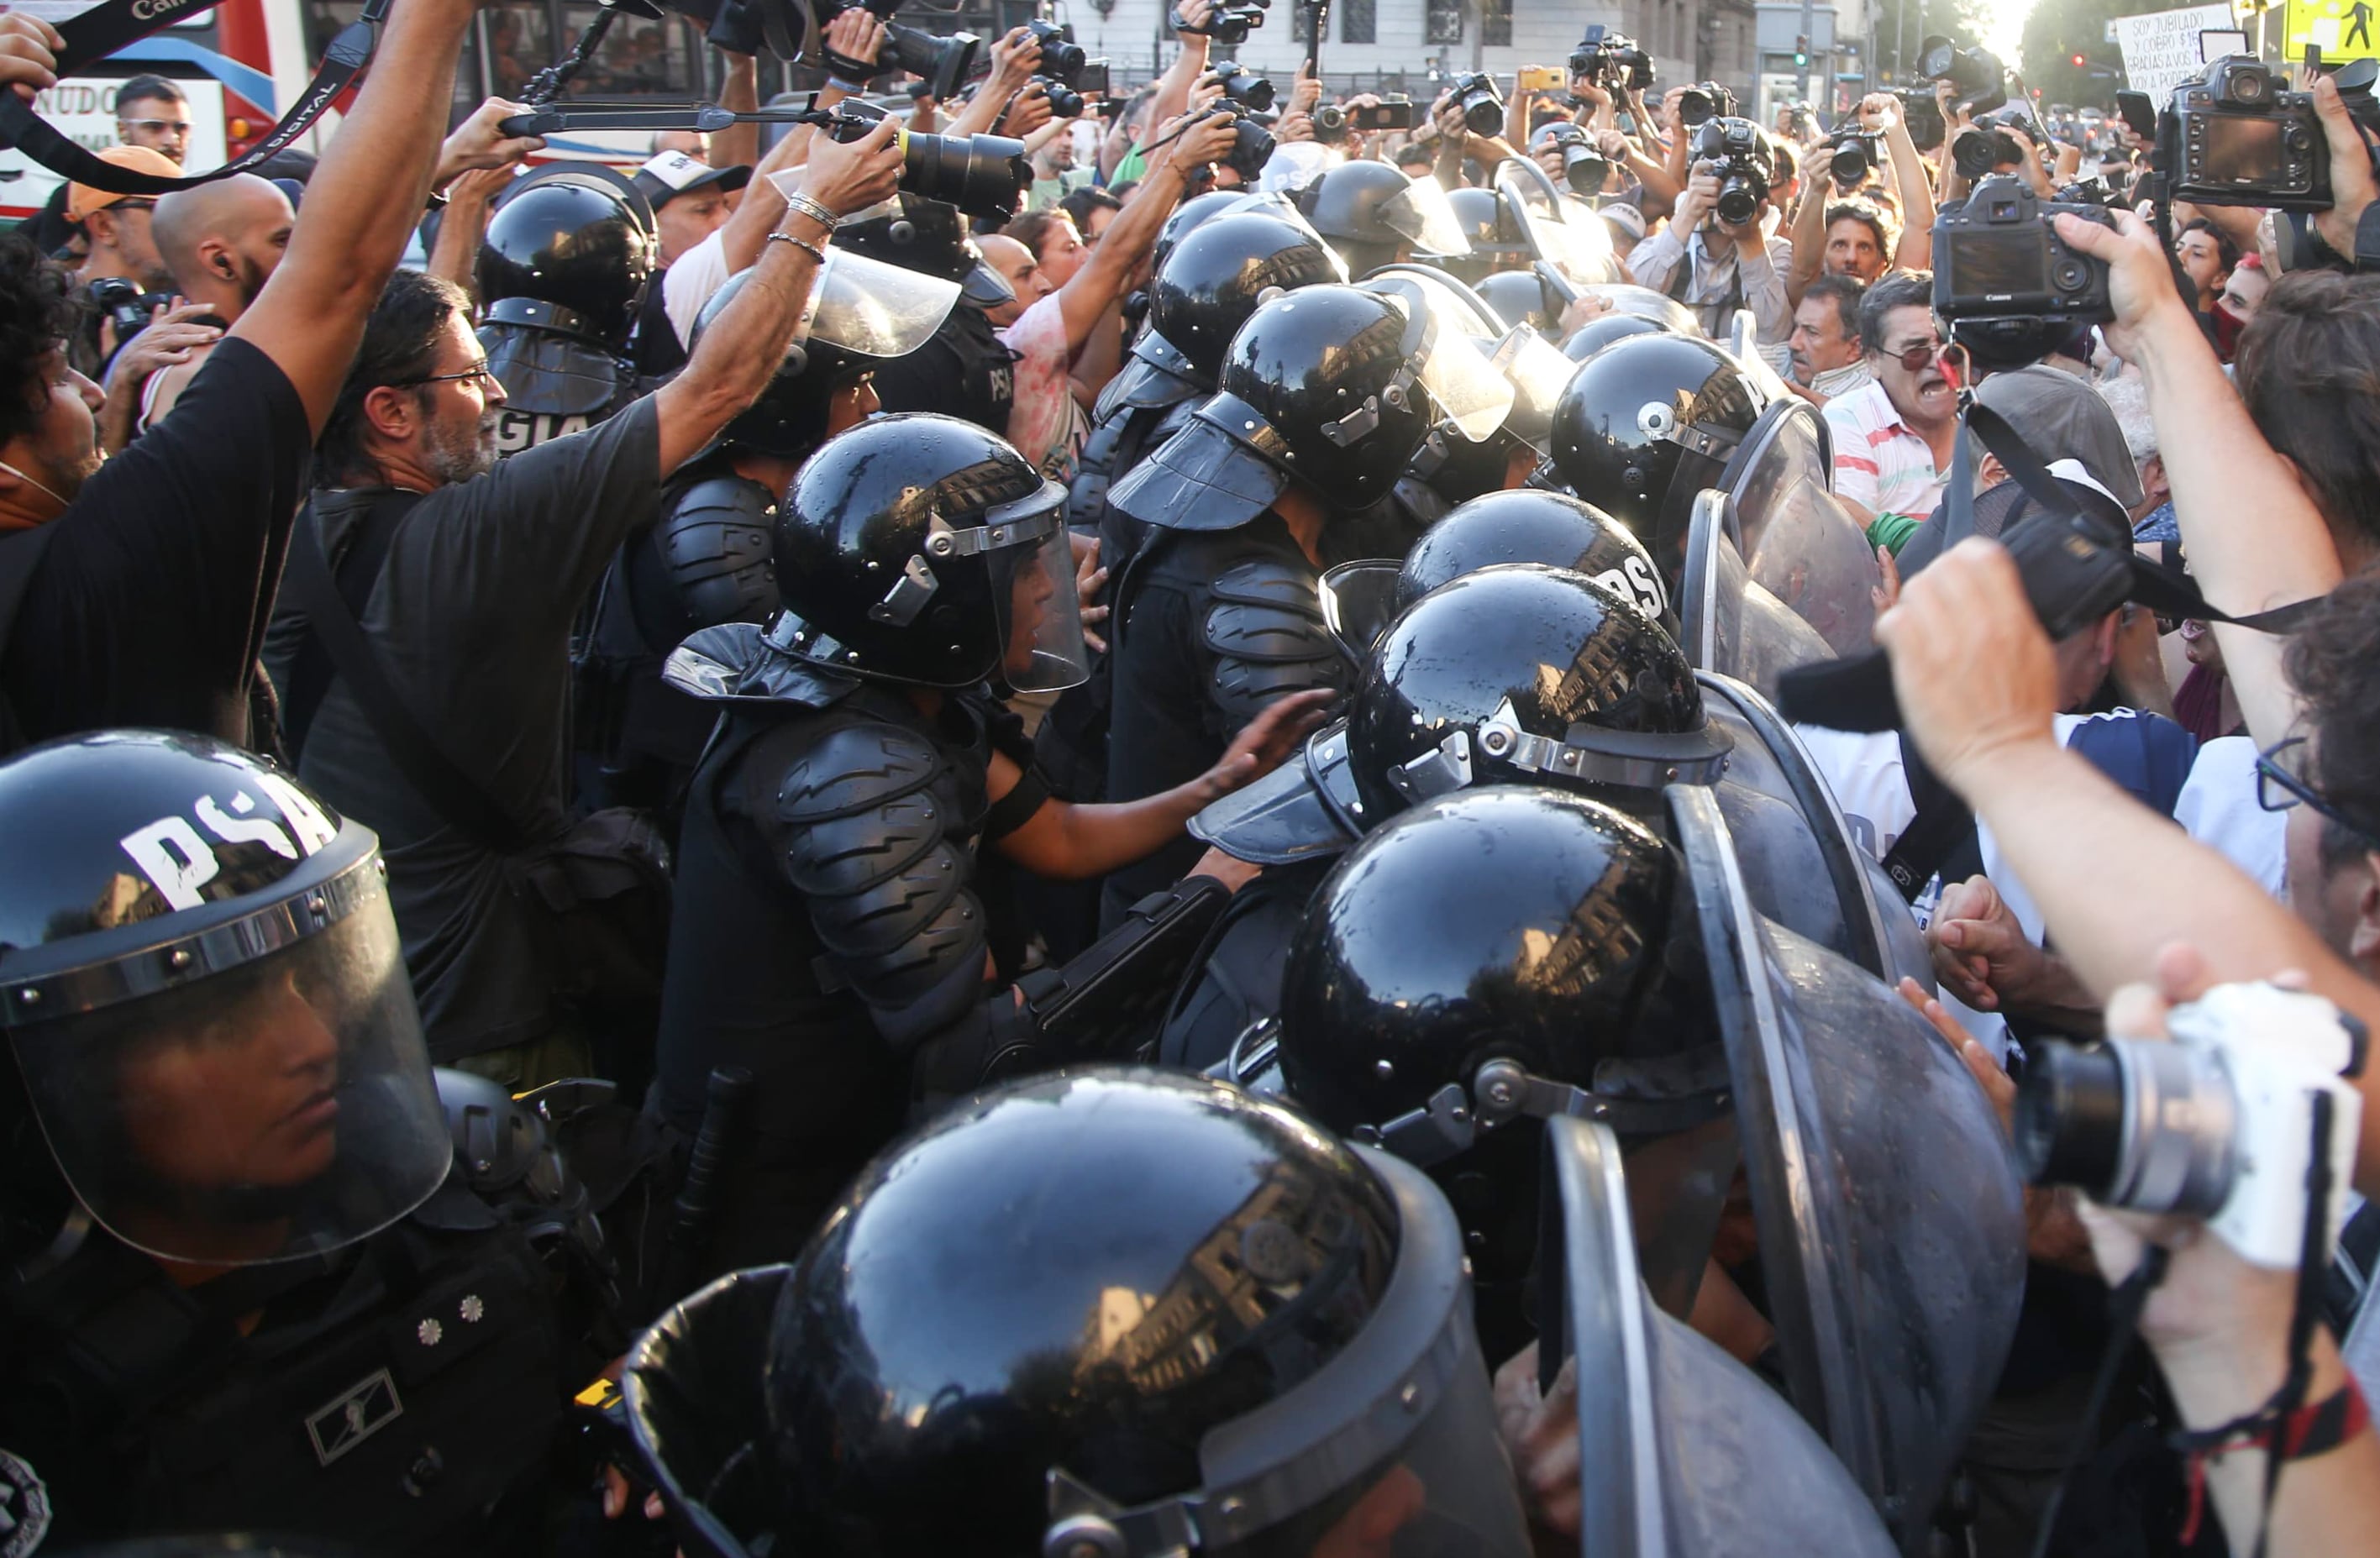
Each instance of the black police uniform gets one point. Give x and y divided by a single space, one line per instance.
965 372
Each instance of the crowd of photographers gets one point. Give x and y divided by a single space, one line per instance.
797 615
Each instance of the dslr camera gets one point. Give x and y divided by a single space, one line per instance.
1243 87
1612 61
1475 92
945 64
984 176
124 304
2220 1124
1584 167
1739 153
1225 24
1977 78
1854 156
1705 100
1987 145
1923 116
1333 122
2234 137
1996 257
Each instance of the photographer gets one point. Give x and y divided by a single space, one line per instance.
1167 101
120 249
469 616
146 609
1715 267
1832 232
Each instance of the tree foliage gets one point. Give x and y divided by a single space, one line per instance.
1960 20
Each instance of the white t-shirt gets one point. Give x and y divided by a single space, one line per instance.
688 284
2217 806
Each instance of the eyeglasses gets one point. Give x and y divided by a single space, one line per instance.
478 370
2281 784
1914 359
158 126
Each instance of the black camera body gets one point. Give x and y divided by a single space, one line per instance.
1252 146
1062 59
1611 61
1977 78
1923 116
1243 87
2235 138
1998 257
983 175
1225 24
1983 147
1739 153
1475 92
1856 154
1333 123
1705 100
1065 103
943 63
125 305
1584 167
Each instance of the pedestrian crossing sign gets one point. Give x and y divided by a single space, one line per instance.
2340 29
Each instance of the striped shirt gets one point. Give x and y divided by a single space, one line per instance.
1880 462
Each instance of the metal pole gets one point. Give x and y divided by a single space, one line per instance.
1899 42
1810 44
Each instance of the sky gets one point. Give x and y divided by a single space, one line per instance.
2006 29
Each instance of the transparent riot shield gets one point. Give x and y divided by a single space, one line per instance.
1742 344
1796 541
1578 253
1688 1453
1728 622
1890 1218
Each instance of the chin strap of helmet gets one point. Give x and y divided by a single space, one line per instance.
105 29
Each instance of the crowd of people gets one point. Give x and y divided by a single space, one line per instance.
1236 823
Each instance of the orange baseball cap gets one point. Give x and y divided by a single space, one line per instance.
82 199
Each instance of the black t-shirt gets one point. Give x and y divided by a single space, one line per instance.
658 350
963 370
149 603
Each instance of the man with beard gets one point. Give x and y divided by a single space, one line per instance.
222 241
465 576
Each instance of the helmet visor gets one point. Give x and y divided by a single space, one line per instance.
1729 622
1358 600
1538 372
1581 251
1421 214
1039 618
873 309
1471 394
277 1110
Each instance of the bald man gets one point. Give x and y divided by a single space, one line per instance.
222 241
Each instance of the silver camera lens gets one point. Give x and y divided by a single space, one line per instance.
2146 1125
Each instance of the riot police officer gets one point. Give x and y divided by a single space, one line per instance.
561 273
1645 425
707 561
1326 394
242 1289
842 926
962 370
1374 216
1120 1274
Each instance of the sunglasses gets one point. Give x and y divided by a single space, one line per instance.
2281 784
477 370
1914 359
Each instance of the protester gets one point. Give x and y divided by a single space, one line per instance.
153 113
1893 438
1828 357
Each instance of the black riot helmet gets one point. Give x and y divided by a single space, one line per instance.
1648 422
861 312
1597 333
1519 298
1186 218
568 251
1219 275
1374 216
1184 1308
1526 524
1523 674
922 549
1336 386
201 985
927 235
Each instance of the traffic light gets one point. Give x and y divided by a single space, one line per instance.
2078 62
1802 50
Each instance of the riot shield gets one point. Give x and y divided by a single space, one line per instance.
1889 1217
1796 541
1727 621
1687 1452
1578 253
1742 344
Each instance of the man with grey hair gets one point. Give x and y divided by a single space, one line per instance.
2127 395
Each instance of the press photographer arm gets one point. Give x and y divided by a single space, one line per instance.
854 34
1910 181
1976 681
1013 60
739 146
2348 226
1191 53
1094 290
2255 540
28 56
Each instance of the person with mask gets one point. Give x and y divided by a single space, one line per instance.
462 578
843 927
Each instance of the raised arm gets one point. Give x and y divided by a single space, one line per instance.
1172 99
1909 179
854 34
739 146
1088 295
734 362
365 197
1013 60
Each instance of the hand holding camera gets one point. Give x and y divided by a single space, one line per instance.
854 42
2141 293
849 173
2352 183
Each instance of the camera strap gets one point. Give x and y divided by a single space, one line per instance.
343 62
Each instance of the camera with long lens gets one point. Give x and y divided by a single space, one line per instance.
1065 103
2220 1124
1996 256
1705 100
2235 137
1334 122
1977 78
984 176
1854 158
1584 167
1738 152
945 63
1062 59
1611 61
1224 24
1984 148
1243 87
1252 147
1475 93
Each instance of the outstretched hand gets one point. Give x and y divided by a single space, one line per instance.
1268 739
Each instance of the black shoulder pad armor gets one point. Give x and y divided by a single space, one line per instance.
718 543
1264 626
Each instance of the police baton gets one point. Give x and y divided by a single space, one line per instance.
692 1213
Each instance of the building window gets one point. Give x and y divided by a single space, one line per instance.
1496 23
1445 22
1358 21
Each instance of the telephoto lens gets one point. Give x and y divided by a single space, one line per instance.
1245 87
2143 1125
1481 105
1065 103
1695 105
1854 161
984 176
1251 149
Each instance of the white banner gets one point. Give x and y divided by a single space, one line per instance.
2161 49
